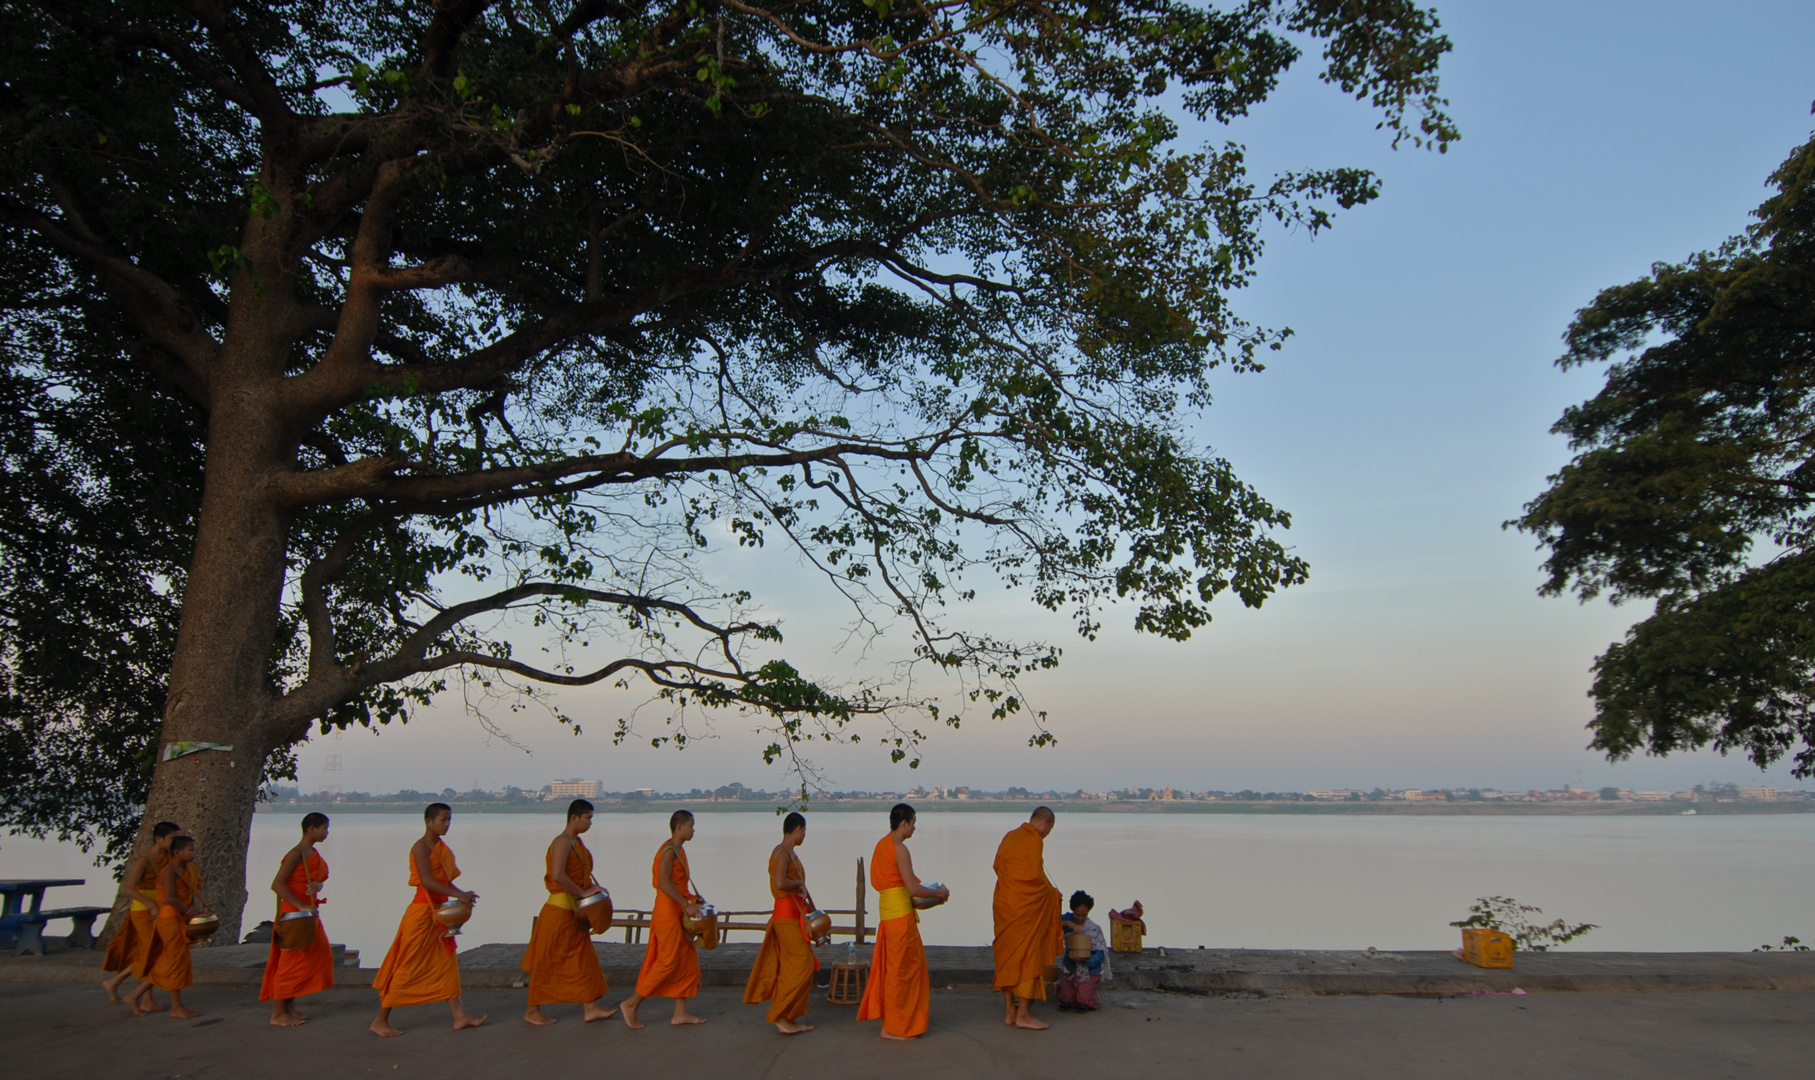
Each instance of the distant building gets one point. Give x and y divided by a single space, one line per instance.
1339 794
575 789
1758 794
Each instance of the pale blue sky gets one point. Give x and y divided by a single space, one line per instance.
1406 419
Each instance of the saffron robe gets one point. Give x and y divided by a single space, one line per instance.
131 943
420 966
900 989
562 966
292 973
1026 908
167 961
783 972
671 963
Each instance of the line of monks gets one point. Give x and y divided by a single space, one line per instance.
163 886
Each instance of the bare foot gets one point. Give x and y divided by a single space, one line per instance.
593 1012
683 1021
899 1038
183 1012
471 1021
1031 1024
113 991
536 1016
790 1027
150 1006
630 1016
288 1021
384 1030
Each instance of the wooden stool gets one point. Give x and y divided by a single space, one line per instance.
847 982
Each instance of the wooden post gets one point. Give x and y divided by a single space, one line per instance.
860 895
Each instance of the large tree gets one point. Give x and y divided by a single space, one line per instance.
1693 484
457 332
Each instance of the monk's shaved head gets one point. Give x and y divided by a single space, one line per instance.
1042 813
676 819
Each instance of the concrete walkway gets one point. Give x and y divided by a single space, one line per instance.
1197 971
70 1033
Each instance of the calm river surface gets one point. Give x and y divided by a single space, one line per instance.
1224 880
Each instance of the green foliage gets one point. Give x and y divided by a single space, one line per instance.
520 311
1514 919
1790 944
1693 485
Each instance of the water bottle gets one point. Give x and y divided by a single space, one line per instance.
850 952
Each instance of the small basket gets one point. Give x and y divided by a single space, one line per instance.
1124 936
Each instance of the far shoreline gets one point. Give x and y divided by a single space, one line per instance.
1619 808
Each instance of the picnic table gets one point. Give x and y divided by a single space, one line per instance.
23 916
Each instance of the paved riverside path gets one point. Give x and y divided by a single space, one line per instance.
71 1033
1196 971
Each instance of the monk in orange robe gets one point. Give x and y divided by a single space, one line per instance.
293 973
560 960
420 966
899 990
783 973
671 963
132 941
179 900
1026 907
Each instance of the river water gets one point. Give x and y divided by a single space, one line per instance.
1224 881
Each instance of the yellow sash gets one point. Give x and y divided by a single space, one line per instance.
150 902
562 899
896 902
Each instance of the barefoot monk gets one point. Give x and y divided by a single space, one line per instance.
783 975
671 964
420 967
301 960
562 966
179 900
1026 907
899 989
139 885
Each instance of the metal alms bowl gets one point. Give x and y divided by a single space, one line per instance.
453 913
703 930
595 912
819 927
202 926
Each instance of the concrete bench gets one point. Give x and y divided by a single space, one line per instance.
25 929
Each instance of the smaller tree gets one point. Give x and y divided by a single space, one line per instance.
1515 920
1693 484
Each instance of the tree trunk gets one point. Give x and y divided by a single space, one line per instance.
220 678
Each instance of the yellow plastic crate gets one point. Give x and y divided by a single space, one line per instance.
1124 936
1487 948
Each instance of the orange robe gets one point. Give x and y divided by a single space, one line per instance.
783 973
562 966
291 973
900 989
420 966
132 941
1026 907
671 964
167 960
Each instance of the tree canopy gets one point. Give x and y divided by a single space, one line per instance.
388 342
1693 484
